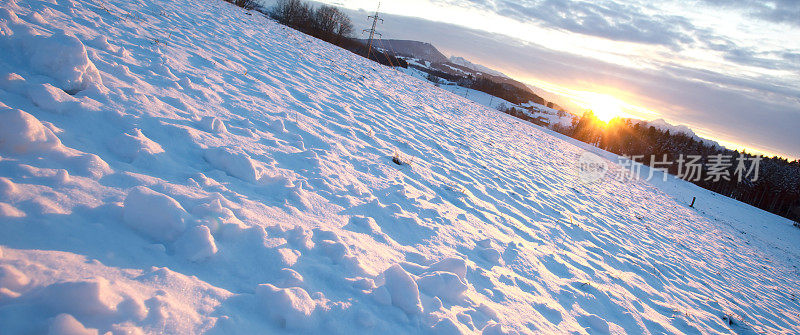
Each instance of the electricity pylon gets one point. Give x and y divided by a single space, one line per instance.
372 31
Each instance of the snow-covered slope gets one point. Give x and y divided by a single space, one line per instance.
183 167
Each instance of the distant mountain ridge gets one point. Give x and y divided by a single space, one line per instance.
426 57
420 50
477 67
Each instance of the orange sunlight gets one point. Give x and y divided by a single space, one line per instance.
604 107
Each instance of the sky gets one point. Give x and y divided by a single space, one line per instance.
728 69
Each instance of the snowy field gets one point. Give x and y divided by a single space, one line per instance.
539 111
182 167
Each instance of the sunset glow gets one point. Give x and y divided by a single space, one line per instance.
714 73
604 107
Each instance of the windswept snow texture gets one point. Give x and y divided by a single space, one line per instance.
184 167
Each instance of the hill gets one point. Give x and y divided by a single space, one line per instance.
188 167
427 58
420 50
477 67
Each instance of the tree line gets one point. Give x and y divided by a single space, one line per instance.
486 85
327 23
503 91
776 190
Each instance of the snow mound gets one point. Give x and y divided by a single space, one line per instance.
447 326
494 328
11 278
490 254
90 165
22 133
234 162
445 285
290 308
65 324
453 265
403 290
290 278
62 57
9 211
134 145
86 298
154 214
214 125
50 98
196 244
7 187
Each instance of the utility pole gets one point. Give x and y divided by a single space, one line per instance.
372 31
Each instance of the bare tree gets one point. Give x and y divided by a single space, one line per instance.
327 23
331 24
345 26
246 4
293 13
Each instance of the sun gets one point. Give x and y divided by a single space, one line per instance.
604 107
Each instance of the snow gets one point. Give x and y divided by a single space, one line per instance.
402 289
22 133
134 145
445 285
7 210
87 298
154 214
196 244
11 278
65 324
234 162
291 308
534 110
220 174
212 124
59 56
453 265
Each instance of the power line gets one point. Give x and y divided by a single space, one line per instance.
391 49
385 52
372 31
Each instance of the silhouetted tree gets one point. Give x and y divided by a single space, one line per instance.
293 13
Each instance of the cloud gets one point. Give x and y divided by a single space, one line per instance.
606 19
777 11
748 56
636 22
